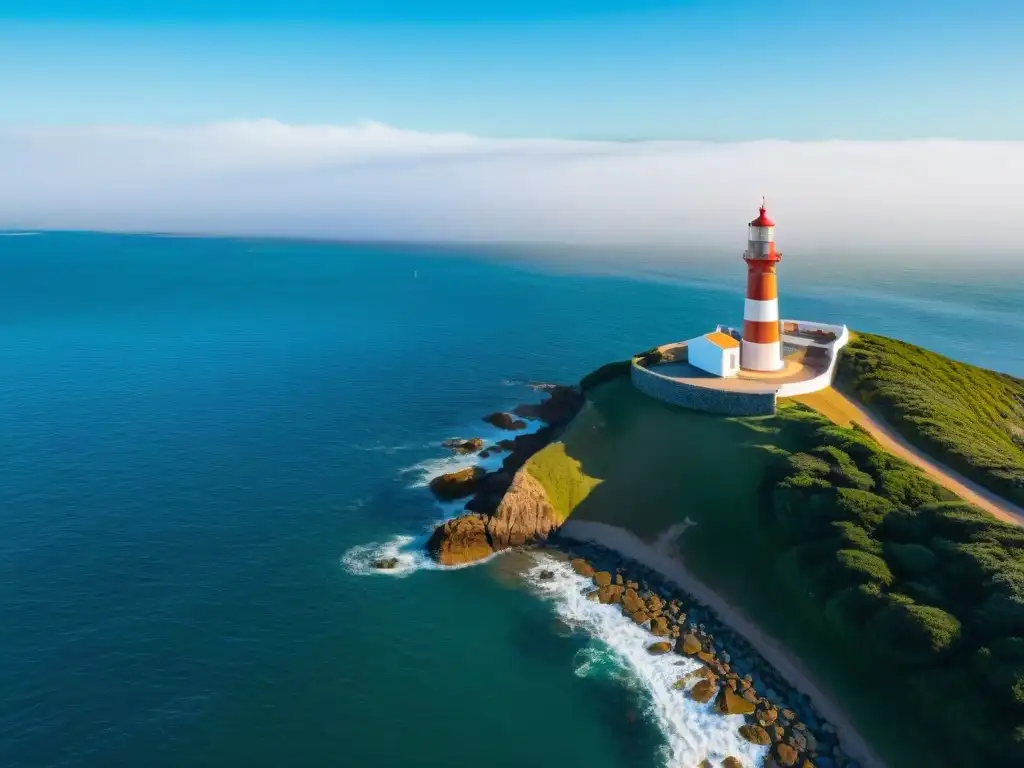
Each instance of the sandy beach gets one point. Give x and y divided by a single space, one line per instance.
661 557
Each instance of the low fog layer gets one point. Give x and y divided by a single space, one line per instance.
374 182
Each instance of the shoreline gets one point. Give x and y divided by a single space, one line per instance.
670 566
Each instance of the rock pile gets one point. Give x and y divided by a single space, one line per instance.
737 682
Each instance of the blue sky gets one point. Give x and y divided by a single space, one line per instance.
642 69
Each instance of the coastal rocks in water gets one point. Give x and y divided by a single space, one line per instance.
729 703
610 594
703 691
594 596
755 734
505 421
464 445
657 649
786 755
731 762
385 563
659 626
546 575
456 485
690 645
631 602
461 540
603 579
561 405
639 617
582 567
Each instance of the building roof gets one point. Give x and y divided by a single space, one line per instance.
762 220
721 340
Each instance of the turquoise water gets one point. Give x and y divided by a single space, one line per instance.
204 440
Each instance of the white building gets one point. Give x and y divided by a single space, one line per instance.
716 352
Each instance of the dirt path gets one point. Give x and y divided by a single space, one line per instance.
664 557
837 407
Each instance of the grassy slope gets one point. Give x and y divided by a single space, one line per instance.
967 417
643 465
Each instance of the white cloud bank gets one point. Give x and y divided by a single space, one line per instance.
375 182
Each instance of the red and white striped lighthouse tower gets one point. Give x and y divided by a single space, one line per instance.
761 349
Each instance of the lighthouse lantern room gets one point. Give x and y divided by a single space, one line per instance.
761 347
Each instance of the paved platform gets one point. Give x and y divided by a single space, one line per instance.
795 370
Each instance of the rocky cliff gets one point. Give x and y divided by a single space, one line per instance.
510 507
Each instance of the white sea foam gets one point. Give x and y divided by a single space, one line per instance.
410 551
425 471
692 731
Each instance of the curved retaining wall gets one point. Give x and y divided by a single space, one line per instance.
824 379
675 392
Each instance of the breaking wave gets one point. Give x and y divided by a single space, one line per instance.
692 731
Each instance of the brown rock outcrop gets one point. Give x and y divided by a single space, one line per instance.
659 648
610 594
703 691
561 405
461 540
582 567
463 445
456 485
524 515
729 703
786 755
755 734
690 645
602 578
731 762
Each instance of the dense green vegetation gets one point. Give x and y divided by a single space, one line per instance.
970 418
906 604
928 585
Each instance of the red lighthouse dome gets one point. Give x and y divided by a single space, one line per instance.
762 220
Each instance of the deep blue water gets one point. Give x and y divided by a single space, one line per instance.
194 433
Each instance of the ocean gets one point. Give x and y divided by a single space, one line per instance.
205 442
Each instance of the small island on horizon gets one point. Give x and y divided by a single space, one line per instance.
831 537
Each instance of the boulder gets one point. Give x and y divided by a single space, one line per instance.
602 578
464 445
706 657
659 648
690 645
729 703
731 762
593 596
582 567
385 563
505 421
659 626
755 734
703 691
461 540
610 594
456 485
546 575
786 755
639 616
767 716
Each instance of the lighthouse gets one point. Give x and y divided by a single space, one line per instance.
761 348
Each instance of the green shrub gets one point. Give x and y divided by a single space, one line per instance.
848 610
913 634
853 567
851 536
843 471
926 594
1002 611
806 464
864 508
957 520
910 560
910 488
